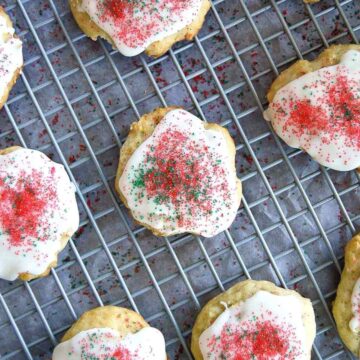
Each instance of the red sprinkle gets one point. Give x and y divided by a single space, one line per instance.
344 119
116 8
182 172
260 340
121 354
23 204
346 108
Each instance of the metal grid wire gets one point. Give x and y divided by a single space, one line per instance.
168 280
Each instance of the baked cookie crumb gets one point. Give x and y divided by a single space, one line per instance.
111 332
177 174
38 213
315 106
136 26
11 58
254 319
343 309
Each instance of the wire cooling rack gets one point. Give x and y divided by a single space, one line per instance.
75 101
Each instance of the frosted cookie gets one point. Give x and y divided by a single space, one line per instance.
346 308
136 26
315 106
111 333
38 213
255 320
177 174
11 58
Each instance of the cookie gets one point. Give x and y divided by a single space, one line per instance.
132 27
255 320
38 213
11 58
111 332
346 307
177 174
315 106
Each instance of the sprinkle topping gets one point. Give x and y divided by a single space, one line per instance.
320 112
256 339
135 24
343 119
23 204
355 302
182 178
107 344
37 208
264 327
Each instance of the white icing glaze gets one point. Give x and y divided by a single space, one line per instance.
182 179
355 304
265 326
105 343
11 58
320 113
134 25
37 208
